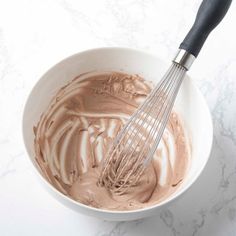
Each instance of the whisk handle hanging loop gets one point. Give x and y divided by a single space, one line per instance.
209 15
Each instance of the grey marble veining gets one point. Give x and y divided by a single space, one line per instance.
34 35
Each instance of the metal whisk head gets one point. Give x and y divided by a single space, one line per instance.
136 143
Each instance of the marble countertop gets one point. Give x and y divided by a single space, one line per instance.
34 35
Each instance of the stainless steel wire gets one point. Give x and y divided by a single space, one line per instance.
136 143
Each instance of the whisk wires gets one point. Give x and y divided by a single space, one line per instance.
136 143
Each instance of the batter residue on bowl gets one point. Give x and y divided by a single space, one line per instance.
74 133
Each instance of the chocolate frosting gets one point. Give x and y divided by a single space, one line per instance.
76 130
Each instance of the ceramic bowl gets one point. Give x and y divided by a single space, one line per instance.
190 104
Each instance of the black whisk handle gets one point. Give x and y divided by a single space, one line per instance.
209 15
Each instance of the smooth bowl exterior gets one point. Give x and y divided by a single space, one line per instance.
190 104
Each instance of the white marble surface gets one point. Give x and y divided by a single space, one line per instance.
34 35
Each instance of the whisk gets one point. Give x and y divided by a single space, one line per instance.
136 143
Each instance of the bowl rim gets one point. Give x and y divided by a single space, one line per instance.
105 211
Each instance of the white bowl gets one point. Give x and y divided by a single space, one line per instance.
190 105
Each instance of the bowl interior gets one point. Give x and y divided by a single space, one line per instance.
189 104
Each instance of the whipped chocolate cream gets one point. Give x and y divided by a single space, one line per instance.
75 132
